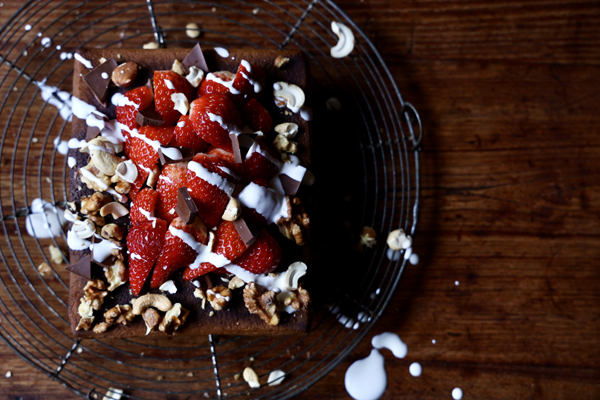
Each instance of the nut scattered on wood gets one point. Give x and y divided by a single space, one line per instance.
281 61
112 231
56 255
368 238
218 296
262 303
151 318
125 74
398 240
119 314
44 269
251 377
173 319
192 30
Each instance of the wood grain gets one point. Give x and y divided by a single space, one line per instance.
508 93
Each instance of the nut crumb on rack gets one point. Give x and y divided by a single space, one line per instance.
368 238
251 377
218 297
192 30
113 394
150 45
44 269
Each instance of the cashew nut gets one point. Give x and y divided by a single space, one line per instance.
398 240
195 76
180 103
127 171
151 300
232 211
289 95
287 129
116 209
105 162
84 229
345 43
294 272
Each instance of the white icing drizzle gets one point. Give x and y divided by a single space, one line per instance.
265 201
136 256
155 144
256 85
229 172
169 84
86 63
71 162
76 243
87 174
457 393
366 379
149 215
227 84
82 110
76 144
62 146
218 295
306 114
172 153
256 147
415 369
165 178
45 220
101 251
168 286
66 56
104 75
222 52
392 342
181 124
231 128
119 99
57 98
211 177
204 252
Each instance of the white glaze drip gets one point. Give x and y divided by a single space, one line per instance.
366 379
86 63
392 342
211 177
222 52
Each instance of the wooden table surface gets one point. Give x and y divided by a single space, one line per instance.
509 237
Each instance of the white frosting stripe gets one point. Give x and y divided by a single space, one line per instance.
204 252
211 177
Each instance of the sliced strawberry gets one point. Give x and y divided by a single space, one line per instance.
257 117
227 156
165 84
144 245
203 269
210 199
262 257
218 83
177 254
142 208
249 80
185 135
142 97
145 152
261 162
213 116
172 177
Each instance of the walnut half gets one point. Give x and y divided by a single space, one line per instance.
261 302
173 319
119 314
296 228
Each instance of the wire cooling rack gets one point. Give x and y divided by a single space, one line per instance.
365 158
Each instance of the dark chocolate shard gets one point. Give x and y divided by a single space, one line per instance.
195 58
92 133
98 80
83 267
207 281
187 154
289 184
245 232
186 208
235 143
149 116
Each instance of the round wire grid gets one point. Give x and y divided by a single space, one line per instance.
365 159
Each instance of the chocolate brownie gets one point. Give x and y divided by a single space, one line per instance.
235 319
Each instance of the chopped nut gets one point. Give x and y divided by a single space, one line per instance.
56 255
192 30
199 293
85 324
125 74
368 237
98 182
298 225
101 327
173 319
151 318
84 229
122 187
112 231
105 162
95 202
114 208
281 61
150 45
236 283
119 314
126 172
97 220
282 144
233 210
218 296
178 67
44 269
195 76
398 240
287 129
151 300
153 176
259 301
95 290
251 377
297 299
180 103
115 275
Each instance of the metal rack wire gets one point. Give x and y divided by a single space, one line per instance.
384 136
